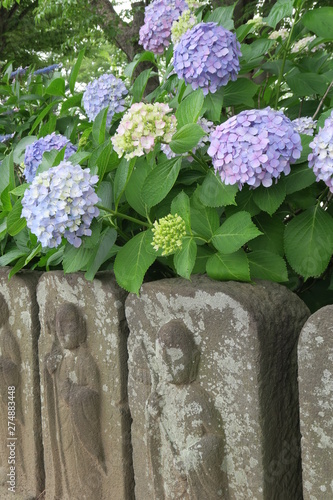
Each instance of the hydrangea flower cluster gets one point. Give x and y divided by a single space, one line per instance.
206 126
34 152
155 34
207 56
186 21
254 147
283 33
107 90
304 44
141 127
60 202
304 125
168 234
6 137
321 158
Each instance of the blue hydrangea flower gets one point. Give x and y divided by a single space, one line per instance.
304 125
6 137
61 202
207 56
107 90
321 158
34 152
254 147
155 34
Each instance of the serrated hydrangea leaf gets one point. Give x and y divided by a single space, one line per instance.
101 252
160 180
107 91
222 16
269 199
300 177
14 222
273 232
34 152
18 153
133 260
267 266
189 109
254 147
75 70
76 259
306 139
233 267
320 21
213 105
280 10
155 34
204 221
234 233
308 242
181 205
133 191
207 56
123 174
10 256
214 193
186 138
238 92
184 260
140 84
56 87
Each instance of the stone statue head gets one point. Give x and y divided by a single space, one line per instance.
70 326
177 352
4 311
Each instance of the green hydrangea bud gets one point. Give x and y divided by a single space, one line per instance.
184 23
168 234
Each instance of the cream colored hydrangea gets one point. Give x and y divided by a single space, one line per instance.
184 23
168 234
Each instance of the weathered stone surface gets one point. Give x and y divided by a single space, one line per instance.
82 355
20 433
315 359
213 390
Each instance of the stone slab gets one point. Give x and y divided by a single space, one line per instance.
21 443
83 365
315 359
237 405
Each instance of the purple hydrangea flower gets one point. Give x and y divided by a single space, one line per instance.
34 152
61 202
155 34
321 158
304 125
254 147
6 137
207 56
107 90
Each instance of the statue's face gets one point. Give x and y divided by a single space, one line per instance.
68 329
175 364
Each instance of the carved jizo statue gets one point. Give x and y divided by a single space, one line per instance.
184 430
73 405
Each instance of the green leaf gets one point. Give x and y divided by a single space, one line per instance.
190 108
144 56
186 138
102 159
256 50
10 256
213 105
18 266
269 199
71 102
184 260
101 253
306 139
233 267
181 206
280 10
204 221
21 147
56 87
33 254
99 127
75 71
42 115
320 21
104 192
5 200
135 185
55 259
308 242
79 157
267 266
140 84
214 193
300 177
76 259
133 260
14 222
50 159
244 201
305 84
322 119
160 180
234 233
272 237
123 174
7 173
222 16
240 91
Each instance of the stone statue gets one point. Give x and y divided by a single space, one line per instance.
10 376
184 430
73 405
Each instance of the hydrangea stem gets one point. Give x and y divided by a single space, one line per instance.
123 216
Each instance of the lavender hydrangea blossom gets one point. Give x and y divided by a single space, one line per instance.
254 147
34 152
321 158
207 56
305 125
155 34
61 202
107 90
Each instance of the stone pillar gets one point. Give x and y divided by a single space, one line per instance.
21 455
315 359
83 366
213 390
